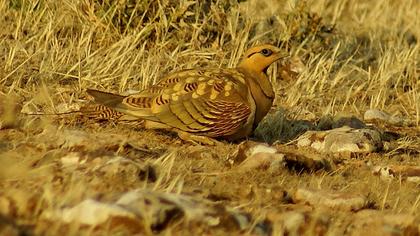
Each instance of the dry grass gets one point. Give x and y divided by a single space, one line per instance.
358 55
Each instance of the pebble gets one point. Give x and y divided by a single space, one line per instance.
405 172
378 115
372 222
156 208
334 200
344 139
91 212
250 155
301 222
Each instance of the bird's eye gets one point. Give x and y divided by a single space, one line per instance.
266 52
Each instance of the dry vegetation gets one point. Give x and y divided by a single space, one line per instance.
357 55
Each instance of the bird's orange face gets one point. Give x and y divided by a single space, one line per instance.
259 58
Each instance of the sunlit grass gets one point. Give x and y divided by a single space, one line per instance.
357 55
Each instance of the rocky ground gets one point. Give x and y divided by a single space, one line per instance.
338 154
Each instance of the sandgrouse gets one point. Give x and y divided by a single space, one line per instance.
201 104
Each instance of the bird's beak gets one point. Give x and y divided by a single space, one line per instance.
280 55
277 56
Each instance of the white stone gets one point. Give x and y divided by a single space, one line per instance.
344 139
90 212
375 114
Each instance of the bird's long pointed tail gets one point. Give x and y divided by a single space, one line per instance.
106 99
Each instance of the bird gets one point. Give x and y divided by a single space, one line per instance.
204 104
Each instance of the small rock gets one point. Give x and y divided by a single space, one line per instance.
252 155
160 208
72 159
405 172
371 222
344 139
293 222
255 155
90 212
375 114
300 222
334 200
157 208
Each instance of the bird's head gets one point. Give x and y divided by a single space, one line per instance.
256 62
257 59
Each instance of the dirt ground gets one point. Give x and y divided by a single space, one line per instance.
346 57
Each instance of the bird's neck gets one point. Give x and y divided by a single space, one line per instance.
258 77
262 92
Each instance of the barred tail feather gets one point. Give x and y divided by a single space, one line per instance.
116 102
